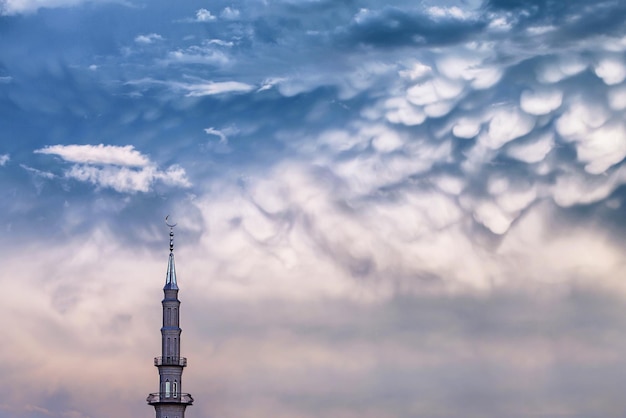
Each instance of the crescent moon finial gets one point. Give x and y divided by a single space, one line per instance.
168 224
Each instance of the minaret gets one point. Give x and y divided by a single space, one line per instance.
170 402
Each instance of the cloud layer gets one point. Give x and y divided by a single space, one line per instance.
384 210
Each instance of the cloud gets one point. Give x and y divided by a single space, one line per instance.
466 128
394 27
213 88
602 148
271 82
205 54
230 14
365 336
617 98
148 39
203 15
39 173
413 194
201 87
416 71
127 180
121 168
4 158
541 102
399 110
507 124
599 141
611 71
98 154
221 134
470 64
14 7
575 188
580 118
450 12
433 91
534 150
560 68
221 43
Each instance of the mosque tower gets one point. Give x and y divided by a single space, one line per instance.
170 401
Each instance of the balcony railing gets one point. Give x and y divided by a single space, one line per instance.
168 397
170 361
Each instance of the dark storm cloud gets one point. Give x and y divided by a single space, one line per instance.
346 24
394 27
575 19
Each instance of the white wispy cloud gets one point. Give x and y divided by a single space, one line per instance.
213 88
148 39
200 87
207 52
127 180
198 55
212 131
121 168
271 82
221 42
14 7
98 154
4 158
230 13
38 173
453 12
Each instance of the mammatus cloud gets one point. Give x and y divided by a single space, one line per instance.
121 168
612 71
4 158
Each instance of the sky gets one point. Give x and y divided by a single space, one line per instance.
385 209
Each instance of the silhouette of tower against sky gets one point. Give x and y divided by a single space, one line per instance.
170 401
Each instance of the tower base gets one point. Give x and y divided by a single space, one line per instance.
170 410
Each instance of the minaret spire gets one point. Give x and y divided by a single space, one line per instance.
170 277
170 401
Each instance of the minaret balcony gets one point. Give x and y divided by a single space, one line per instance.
164 397
170 361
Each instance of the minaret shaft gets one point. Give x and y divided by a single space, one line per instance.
170 401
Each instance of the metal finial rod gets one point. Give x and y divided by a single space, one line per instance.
171 233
